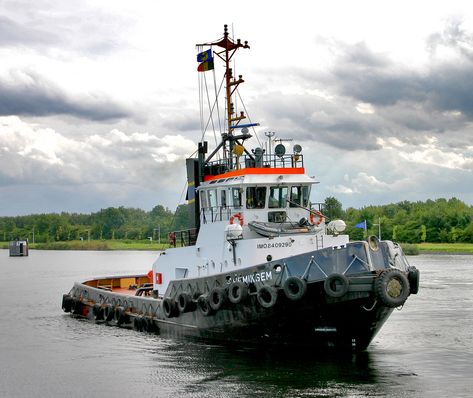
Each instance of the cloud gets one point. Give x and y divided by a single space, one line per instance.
25 93
115 164
12 34
364 95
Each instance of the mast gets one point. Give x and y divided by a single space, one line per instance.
231 84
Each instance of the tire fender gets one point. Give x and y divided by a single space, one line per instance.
184 302
294 288
204 305
169 307
267 296
237 292
336 285
217 298
392 287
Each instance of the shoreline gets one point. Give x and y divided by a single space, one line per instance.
106 245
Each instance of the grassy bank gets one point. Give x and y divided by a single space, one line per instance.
97 245
465 248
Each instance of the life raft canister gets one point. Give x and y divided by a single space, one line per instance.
316 217
237 215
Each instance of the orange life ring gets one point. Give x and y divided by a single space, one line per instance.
239 216
320 217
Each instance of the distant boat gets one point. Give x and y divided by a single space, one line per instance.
259 263
18 248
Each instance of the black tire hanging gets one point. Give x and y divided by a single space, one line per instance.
76 306
294 288
392 287
217 298
119 315
267 296
237 292
66 302
138 323
336 285
204 305
413 277
184 302
107 312
147 324
169 307
97 311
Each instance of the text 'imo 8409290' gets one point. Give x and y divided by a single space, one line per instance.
259 262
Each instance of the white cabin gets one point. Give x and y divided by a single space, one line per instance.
268 195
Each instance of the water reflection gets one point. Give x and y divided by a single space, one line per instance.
217 371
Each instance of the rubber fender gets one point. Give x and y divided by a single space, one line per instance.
145 326
76 306
97 311
392 287
413 277
295 288
336 285
169 307
66 302
204 305
149 325
119 315
267 296
184 302
138 323
217 298
237 292
107 312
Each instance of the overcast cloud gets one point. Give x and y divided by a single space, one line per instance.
99 104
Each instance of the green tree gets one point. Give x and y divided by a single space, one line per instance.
333 208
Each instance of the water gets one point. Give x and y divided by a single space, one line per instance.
425 350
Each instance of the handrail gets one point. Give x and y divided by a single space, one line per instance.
263 161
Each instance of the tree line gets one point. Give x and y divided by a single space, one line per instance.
109 223
441 220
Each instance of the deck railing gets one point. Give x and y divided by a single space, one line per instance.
264 161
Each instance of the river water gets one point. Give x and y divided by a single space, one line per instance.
424 350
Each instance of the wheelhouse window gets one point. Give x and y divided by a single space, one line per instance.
203 199
223 198
305 195
255 197
212 198
277 197
299 196
236 196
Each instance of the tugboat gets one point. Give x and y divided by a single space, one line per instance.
259 263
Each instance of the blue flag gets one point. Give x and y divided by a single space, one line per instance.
205 56
361 225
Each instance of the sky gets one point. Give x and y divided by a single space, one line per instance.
99 102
